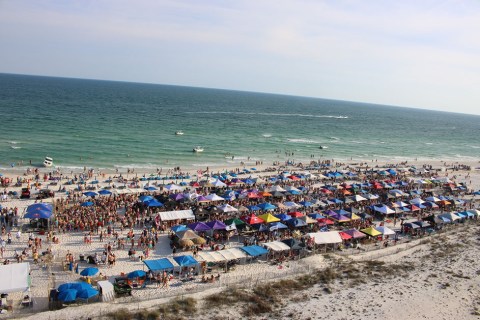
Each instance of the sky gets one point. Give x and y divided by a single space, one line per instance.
421 54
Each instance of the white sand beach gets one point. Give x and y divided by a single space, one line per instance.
435 277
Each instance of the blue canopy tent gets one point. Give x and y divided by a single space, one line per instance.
159 264
154 203
185 261
145 199
254 251
266 206
179 228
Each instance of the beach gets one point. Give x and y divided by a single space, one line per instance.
417 296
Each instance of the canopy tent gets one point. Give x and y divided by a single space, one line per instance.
371 231
235 221
232 253
15 277
355 233
210 256
160 264
254 251
199 226
268 218
326 237
177 215
185 261
383 209
216 225
276 246
294 244
385 231
39 210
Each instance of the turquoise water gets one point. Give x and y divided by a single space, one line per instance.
106 124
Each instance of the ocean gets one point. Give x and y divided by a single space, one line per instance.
109 125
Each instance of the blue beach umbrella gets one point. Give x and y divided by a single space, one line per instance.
87 293
65 286
68 295
136 274
104 192
154 203
89 272
150 188
79 285
90 194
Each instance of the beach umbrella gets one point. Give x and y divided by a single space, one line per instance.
136 274
104 192
150 188
94 182
186 243
68 295
89 272
65 286
87 293
199 241
87 204
90 194
79 285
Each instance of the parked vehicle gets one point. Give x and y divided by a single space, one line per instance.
25 193
45 193
121 286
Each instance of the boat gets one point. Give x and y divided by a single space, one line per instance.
48 162
323 147
198 149
179 133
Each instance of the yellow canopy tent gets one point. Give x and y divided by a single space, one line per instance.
371 231
268 217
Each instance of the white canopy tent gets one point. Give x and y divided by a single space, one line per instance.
175 215
276 246
15 277
326 237
107 292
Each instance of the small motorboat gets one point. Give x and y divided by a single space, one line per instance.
198 149
179 133
48 162
323 147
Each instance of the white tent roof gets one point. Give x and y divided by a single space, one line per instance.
227 208
214 197
210 256
174 215
276 246
326 237
276 189
173 187
385 231
14 277
233 253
